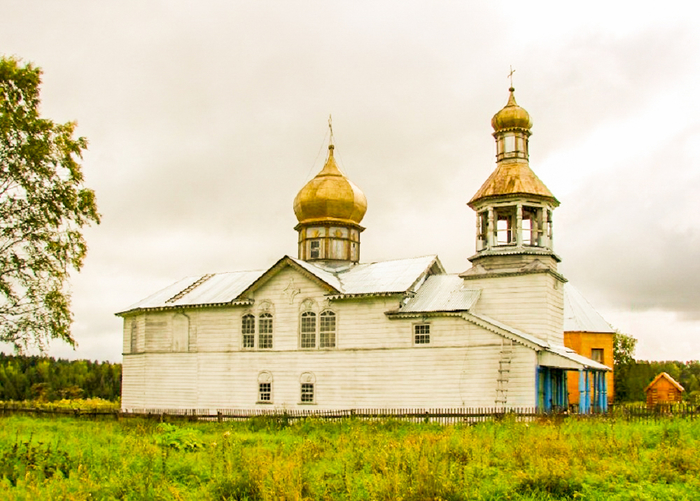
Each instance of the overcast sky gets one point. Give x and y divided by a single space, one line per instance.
206 118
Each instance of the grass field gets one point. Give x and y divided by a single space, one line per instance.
65 458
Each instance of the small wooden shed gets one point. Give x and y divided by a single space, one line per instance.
663 390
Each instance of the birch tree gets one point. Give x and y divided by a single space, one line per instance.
43 207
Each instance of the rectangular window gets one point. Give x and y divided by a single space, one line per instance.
315 249
307 393
421 334
597 355
265 392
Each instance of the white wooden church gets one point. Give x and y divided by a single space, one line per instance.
326 331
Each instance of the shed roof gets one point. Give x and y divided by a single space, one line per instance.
667 376
442 293
579 315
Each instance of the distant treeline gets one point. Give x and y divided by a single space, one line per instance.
631 379
48 379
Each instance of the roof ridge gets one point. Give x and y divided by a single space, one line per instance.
189 289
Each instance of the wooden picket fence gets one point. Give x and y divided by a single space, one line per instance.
457 415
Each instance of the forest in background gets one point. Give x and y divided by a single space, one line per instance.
47 379
632 378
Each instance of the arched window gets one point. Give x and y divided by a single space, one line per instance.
248 330
308 329
327 330
265 331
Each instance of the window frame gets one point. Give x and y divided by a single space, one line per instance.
248 331
332 335
598 351
308 327
307 397
425 335
265 318
315 248
262 392
265 388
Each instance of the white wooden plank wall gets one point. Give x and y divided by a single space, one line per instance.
374 364
527 302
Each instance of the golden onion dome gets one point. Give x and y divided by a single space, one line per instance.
330 196
511 116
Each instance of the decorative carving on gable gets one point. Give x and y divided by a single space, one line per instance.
290 291
266 307
308 305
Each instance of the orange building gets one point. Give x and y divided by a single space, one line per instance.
663 390
589 335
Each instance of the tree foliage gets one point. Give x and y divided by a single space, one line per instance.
623 358
623 348
43 207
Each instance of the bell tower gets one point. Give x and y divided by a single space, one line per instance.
513 207
515 266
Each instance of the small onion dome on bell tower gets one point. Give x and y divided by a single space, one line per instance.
511 127
511 116
329 209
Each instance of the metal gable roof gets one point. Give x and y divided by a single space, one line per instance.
220 288
199 290
382 277
396 276
579 315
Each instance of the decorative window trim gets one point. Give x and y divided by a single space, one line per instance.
317 331
421 334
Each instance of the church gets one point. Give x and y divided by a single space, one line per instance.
323 330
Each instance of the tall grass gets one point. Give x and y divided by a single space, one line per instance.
65 458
